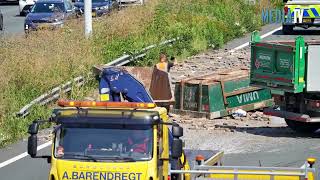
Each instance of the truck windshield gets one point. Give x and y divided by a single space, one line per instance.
48 8
107 143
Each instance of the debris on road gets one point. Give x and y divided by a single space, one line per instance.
239 113
210 62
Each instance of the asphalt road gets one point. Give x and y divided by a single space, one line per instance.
13 22
289 154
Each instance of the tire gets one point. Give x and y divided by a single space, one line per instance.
22 13
302 127
287 29
1 22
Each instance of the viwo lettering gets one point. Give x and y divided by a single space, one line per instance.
101 176
248 97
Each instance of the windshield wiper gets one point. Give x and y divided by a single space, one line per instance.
128 159
82 155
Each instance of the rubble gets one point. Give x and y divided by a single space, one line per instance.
209 62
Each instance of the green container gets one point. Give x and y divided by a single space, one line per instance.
220 94
278 65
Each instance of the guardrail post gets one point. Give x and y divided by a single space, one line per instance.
272 176
306 170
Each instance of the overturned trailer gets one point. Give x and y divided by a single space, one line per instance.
219 94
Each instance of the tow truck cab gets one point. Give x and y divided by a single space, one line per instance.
97 143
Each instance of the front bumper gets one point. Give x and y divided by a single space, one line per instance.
95 12
305 22
42 26
290 115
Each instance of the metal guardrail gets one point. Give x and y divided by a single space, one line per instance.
126 58
55 93
50 96
201 171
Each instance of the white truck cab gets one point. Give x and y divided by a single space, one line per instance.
25 6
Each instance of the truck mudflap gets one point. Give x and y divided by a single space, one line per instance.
290 115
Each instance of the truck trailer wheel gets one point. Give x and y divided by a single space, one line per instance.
287 29
1 21
302 126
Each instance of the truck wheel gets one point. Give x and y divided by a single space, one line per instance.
302 126
1 22
287 29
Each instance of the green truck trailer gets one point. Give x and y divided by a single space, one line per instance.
291 70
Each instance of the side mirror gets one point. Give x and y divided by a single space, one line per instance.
176 148
29 9
177 131
33 128
32 140
32 145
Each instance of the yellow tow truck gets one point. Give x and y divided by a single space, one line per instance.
91 142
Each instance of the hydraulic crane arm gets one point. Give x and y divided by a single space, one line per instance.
115 82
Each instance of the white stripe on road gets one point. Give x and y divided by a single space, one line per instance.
263 36
12 160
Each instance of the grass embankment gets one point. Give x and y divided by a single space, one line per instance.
31 66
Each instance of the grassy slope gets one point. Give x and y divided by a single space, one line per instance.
33 65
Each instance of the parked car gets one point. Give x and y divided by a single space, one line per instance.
8 1
99 7
1 21
48 14
25 6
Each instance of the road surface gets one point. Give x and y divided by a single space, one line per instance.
13 23
288 154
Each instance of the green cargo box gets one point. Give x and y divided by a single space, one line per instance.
285 66
219 94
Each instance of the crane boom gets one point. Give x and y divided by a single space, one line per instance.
116 81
